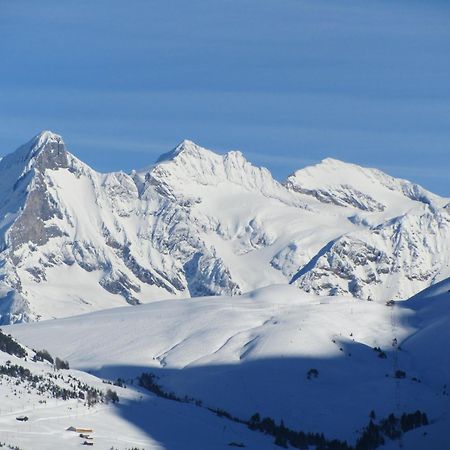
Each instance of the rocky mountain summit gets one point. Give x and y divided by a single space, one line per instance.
198 223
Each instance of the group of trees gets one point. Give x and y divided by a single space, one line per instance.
10 447
372 436
392 427
10 346
111 396
285 437
61 364
148 381
44 355
119 382
45 385
381 353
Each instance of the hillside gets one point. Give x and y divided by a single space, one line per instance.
276 351
40 406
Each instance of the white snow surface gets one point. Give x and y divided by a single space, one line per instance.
252 354
235 286
140 419
196 223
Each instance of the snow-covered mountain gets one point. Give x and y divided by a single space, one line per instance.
197 223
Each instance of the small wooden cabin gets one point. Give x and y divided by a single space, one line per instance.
81 430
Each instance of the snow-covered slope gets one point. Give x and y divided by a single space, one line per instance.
321 364
432 332
400 247
41 405
197 223
343 184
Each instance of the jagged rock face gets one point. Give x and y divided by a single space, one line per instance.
198 223
138 242
393 258
344 195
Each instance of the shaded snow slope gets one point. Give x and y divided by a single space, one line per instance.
196 223
428 298
432 335
253 354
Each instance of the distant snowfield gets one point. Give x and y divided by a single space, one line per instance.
252 353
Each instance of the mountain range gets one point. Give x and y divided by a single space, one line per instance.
197 223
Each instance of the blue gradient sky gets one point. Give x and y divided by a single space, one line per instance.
287 82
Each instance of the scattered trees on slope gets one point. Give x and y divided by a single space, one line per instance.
43 355
61 364
111 396
48 385
10 346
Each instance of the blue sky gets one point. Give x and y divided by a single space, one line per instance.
287 82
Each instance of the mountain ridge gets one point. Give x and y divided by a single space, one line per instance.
199 223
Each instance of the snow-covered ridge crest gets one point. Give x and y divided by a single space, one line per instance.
193 163
345 184
200 223
186 146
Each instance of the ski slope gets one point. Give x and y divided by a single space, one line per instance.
140 419
253 353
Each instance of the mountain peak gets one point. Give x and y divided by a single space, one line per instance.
338 164
185 147
43 141
339 182
46 150
46 136
332 161
328 172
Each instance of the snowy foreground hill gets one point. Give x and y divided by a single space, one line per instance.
197 223
320 364
44 408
